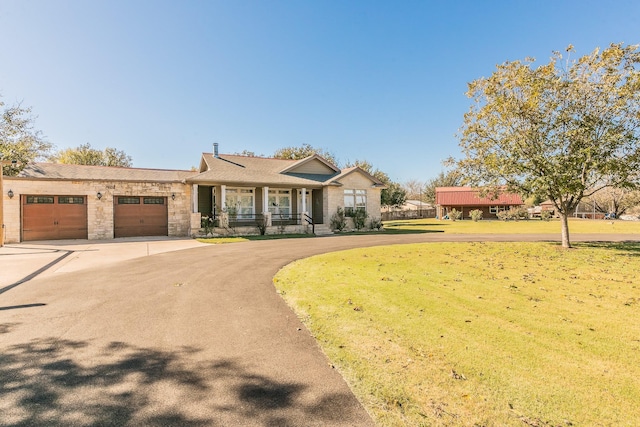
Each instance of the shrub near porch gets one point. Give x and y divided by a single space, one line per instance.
479 334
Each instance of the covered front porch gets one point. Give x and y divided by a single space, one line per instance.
231 209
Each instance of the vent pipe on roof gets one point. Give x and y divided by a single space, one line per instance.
215 150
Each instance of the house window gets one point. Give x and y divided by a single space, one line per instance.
153 200
239 202
70 200
39 199
280 203
354 200
128 200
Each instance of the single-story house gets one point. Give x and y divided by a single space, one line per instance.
466 199
49 201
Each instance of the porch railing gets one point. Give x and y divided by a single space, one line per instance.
248 220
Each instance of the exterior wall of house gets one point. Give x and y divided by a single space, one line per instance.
466 211
335 195
99 211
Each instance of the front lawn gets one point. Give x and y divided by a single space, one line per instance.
533 226
479 334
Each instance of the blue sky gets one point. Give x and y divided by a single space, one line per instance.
374 80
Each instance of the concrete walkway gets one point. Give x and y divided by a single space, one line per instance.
193 337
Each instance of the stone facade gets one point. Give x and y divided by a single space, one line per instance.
334 196
99 211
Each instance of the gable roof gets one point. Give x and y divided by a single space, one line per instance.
56 171
312 164
243 170
345 172
312 172
467 196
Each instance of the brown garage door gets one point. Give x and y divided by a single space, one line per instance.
54 217
140 216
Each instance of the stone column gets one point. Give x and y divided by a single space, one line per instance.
194 198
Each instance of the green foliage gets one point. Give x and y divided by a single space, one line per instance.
513 214
454 214
338 221
359 219
545 215
394 195
19 141
560 131
87 155
444 179
304 151
207 224
476 215
261 224
375 223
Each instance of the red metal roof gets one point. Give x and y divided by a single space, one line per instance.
467 196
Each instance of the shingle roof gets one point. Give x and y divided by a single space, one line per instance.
242 170
467 196
101 173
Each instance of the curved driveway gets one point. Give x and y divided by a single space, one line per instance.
196 337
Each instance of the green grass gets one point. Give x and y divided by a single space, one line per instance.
479 334
535 226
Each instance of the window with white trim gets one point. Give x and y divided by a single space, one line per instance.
354 200
280 203
239 202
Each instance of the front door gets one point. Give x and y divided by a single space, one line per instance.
316 198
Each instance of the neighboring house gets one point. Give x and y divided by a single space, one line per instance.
466 199
55 201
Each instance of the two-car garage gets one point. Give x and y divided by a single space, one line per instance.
53 201
46 217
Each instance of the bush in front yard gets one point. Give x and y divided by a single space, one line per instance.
338 221
359 219
454 215
476 215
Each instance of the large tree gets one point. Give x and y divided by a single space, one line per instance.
19 141
414 189
305 150
449 178
561 131
87 155
614 201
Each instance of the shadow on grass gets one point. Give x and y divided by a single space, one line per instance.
413 224
57 382
631 247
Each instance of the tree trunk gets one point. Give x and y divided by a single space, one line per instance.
564 220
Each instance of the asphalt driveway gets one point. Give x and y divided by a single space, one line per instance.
195 337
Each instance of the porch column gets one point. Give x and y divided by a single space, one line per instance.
194 198
214 210
304 200
223 198
265 199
